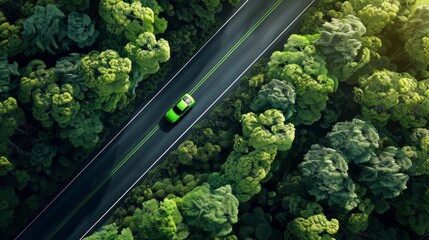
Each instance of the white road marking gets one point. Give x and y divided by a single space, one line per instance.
217 99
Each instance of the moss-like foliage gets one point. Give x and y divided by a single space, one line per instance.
42 29
302 66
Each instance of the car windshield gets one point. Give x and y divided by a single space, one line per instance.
177 110
187 100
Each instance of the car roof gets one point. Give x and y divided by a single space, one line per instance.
182 104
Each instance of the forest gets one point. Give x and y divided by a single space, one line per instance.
327 138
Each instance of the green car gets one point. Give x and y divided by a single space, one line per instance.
180 108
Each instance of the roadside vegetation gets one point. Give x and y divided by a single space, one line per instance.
326 139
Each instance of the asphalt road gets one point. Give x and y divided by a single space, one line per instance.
256 29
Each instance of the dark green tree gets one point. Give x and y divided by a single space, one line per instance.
213 211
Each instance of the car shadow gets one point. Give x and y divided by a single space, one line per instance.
164 125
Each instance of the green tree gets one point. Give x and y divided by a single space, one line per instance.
157 221
268 130
35 75
213 211
129 20
146 53
109 232
80 29
6 72
384 174
59 100
106 74
250 162
326 173
412 207
415 33
353 155
5 166
84 129
418 151
11 40
11 117
42 154
42 29
301 65
357 140
275 94
160 24
255 225
387 95
200 13
375 15
341 39
313 228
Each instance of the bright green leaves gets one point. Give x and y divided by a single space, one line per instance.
300 65
254 152
246 171
268 130
11 41
375 15
316 227
11 116
213 211
35 76
157 220
416 34
106 73
129 19
387 95
146 53
51 102
63 107
5 166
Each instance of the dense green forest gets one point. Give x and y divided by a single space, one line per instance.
73 70
325 139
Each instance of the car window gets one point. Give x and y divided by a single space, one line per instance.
177 110
187 100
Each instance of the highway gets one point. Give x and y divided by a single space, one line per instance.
255 29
